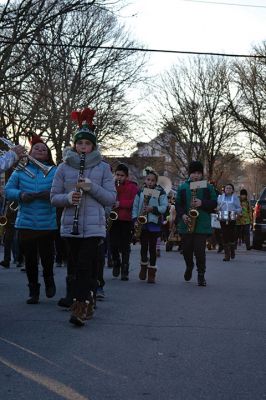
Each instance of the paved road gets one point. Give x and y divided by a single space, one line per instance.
169 341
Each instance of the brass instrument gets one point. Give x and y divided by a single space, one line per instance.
10 206
22 166
142 218
173 236
192 213
113 216
3 220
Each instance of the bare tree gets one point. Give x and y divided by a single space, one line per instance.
74 71
193 108
248 105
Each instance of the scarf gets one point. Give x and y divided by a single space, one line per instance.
72 158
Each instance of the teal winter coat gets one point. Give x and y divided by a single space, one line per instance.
38 214
208 198
159 206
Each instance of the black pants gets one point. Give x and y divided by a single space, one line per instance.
228 231
120 239
9 244
194 244
101 262
83 262
37 244
148 242
243 233
60 251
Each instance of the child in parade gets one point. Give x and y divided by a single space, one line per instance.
151 206
245 219
229 201
9 158
36 218
83 185
194 238
121 228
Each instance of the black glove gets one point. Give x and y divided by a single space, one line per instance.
26 197
44 195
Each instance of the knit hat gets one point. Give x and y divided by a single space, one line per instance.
86 126
243 192
195 166
33 139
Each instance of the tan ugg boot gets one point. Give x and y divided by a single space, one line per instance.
143 270
151 274
79 310
91 306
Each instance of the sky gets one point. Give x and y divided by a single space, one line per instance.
192 25
186 25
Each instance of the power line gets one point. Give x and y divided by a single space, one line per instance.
226 4
141 49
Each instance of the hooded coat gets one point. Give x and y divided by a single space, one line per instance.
102 193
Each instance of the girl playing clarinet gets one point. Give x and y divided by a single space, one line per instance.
152 206
83 186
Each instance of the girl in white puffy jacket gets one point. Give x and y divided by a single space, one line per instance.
97 190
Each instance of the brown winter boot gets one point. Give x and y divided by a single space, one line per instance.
151 274
91 306
79 310
143 270
227 252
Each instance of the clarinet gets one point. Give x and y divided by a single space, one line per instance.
75 227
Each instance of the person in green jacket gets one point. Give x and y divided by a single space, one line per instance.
194 235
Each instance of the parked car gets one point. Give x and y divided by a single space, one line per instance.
259 221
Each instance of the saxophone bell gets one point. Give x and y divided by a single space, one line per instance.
142 219
113 215
3 220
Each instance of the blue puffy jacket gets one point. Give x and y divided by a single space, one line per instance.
39 214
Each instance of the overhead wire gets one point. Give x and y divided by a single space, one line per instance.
225 4
141 49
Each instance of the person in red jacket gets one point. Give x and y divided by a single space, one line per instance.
120 231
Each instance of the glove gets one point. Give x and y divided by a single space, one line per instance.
26 197
44 195
85 185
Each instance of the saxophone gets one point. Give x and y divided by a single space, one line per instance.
142 218
113 216
192 213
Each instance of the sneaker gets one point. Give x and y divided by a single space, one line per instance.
5 264
100 293
201 280
188 274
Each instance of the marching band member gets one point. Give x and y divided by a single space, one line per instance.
194 239
36 219
151 207
9 158
83 185
120 231
245 220
229 201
